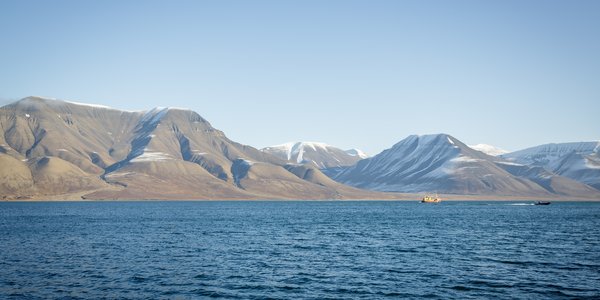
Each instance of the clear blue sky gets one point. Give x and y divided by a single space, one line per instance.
359 74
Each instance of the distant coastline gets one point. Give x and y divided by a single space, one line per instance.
413 198
52 150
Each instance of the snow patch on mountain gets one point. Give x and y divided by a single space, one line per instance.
152 156
591 164
89 105
357 152
53 102
509 163
465 159
488 149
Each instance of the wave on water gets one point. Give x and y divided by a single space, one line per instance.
298 250
510 204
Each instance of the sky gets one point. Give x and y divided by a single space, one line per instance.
353 74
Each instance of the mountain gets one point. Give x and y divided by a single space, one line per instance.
488 149
579 161
320 155
358 153
53 147
441 163
547 154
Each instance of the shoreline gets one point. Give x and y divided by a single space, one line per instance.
469 199
80 196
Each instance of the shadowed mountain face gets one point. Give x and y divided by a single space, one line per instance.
320 155
52 147
441 163
578 161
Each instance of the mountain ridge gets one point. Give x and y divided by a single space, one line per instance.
320 155
579 161
161 153
50 148
440 162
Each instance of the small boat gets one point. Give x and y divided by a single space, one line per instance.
431 199
543 203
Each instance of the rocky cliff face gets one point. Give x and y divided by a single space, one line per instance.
52 147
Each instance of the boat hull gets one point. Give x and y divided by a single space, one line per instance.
428 199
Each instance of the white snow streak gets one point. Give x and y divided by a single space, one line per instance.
465 159
89 105
509 163
152 156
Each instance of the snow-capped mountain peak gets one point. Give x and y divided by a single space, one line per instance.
548 153
488 149
296 149
320 154
440 162
579 160
357 152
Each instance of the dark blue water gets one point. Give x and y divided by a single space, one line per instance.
308 250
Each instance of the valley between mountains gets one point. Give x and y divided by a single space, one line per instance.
54 149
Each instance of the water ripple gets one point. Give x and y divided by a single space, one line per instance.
307 250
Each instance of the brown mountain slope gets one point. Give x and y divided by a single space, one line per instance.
52 175
15 177
163 153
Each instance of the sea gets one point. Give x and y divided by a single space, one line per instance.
299 250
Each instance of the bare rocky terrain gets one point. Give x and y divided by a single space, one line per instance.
59 150
53 148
